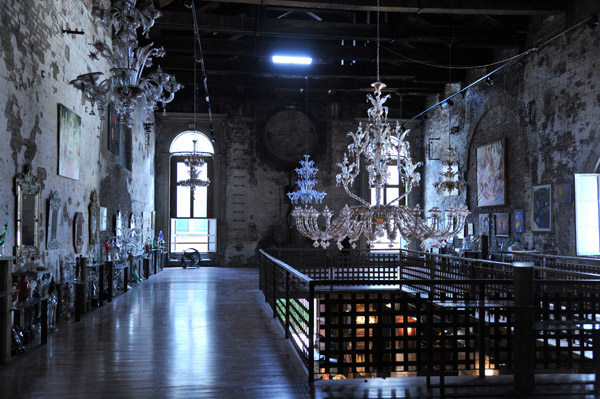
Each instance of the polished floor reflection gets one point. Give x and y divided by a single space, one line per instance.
207 333
193 333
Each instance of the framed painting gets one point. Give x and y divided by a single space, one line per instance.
114 132
501 224
562 193
519 220
103 214
491 178
541 208
484 223
69 142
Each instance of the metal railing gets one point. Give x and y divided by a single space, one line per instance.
360 314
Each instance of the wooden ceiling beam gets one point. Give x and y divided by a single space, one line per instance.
322 52
464 36
364 71
464 7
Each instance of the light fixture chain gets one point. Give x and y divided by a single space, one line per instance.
378 41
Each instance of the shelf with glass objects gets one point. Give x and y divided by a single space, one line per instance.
33 303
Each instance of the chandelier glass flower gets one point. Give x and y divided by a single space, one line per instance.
379 144
195 163
126 87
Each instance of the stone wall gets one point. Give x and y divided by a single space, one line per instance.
546 109
37 61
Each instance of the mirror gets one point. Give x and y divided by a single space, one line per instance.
78 232
28 214
54 204
94 217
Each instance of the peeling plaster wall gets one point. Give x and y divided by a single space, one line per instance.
37 61
547 109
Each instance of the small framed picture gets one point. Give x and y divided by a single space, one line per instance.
542 208
102 219
501 224
469 229
519 220
484 223
562 193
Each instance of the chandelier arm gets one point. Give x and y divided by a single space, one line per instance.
356 197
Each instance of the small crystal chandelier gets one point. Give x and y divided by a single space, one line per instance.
126 86
450 182
195 162
379 144
306 180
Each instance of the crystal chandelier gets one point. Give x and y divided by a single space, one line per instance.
380 145
306 195
126 86
195 163
450 182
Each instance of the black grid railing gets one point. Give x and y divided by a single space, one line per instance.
359 314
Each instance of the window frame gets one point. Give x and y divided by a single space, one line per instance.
578 209
175 159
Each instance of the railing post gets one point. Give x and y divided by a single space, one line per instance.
287 304
274 304
481 327
524 340
311 332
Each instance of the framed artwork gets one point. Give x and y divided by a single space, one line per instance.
491 179
78 232
433 149
103 213
69 142
484 223
501 224
562 193
114 132
519 220
469 229
542 208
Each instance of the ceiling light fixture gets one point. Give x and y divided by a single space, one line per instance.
284 59
126 86
379 145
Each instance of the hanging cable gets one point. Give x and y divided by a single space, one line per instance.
200 60
510 62
306 112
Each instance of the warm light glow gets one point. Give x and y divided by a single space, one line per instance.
284 59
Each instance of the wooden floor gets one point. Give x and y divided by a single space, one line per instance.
205 333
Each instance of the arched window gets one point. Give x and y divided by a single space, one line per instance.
192 220
392 190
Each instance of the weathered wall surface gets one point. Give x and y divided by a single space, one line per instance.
37 61
546 109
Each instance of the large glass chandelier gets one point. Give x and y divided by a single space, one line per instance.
126 86
195 163
379 145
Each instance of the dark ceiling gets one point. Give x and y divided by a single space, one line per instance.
238 38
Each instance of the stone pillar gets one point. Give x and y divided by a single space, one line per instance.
524 339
